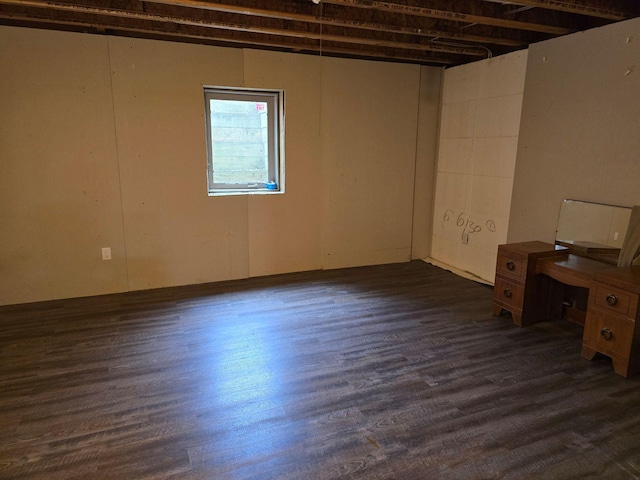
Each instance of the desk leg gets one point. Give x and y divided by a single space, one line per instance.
588 353
517 319
621 366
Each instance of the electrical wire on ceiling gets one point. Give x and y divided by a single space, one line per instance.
317 2
436 41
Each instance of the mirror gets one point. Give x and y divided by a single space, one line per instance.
593 230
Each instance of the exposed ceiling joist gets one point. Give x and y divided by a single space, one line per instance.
266 43
56 5
450 15
447 32
219 7
429 47
570 7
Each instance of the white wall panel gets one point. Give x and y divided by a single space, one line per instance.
481 112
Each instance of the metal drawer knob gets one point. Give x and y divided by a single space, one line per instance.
511 266
611 299
606 334
508 293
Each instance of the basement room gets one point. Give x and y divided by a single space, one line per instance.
319 239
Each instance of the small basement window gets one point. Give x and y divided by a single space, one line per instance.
245 140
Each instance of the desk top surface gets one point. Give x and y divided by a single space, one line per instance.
533 248
627 278
581 271
572 269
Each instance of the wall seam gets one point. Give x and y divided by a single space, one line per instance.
115 135
415 165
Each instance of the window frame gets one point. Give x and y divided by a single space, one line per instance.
276 144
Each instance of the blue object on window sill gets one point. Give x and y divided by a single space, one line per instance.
272 186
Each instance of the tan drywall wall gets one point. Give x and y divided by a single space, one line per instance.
285 231
579 134
427 150
476 159
369 128
175 233
59 192
119 160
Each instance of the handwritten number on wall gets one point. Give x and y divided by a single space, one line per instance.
467 225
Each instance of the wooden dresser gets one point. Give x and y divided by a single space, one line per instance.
612 326
515 282
523 287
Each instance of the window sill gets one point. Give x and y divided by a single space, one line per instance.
229 193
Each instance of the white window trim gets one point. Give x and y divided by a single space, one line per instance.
275 99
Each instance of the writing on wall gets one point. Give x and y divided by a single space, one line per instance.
466 224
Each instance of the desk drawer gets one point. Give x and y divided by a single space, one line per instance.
612 299
509 293
512 267
608 334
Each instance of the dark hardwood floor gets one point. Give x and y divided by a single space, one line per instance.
384 372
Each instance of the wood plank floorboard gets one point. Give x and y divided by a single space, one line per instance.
383 372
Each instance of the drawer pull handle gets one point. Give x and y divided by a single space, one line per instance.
508 292
606 334
511 266
611 300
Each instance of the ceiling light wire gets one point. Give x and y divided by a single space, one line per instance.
317 2
461 45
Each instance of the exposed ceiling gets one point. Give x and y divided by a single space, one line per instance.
428 32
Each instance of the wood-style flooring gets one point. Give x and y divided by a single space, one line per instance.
384 372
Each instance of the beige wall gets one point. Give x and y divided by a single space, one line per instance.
175 234
369 126
427 150
59 190
580 133
481 108
285 231
102 144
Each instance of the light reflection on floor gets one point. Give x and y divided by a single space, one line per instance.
245 374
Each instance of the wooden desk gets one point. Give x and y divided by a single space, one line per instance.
572 269
612 325
516 285
613 319
596 251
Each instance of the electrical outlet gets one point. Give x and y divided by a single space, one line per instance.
106 253
615 236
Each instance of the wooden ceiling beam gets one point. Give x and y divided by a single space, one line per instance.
450 16
291 46
338 22
402 30
570 7
427 33
455 50
419 32
378 54
111 12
